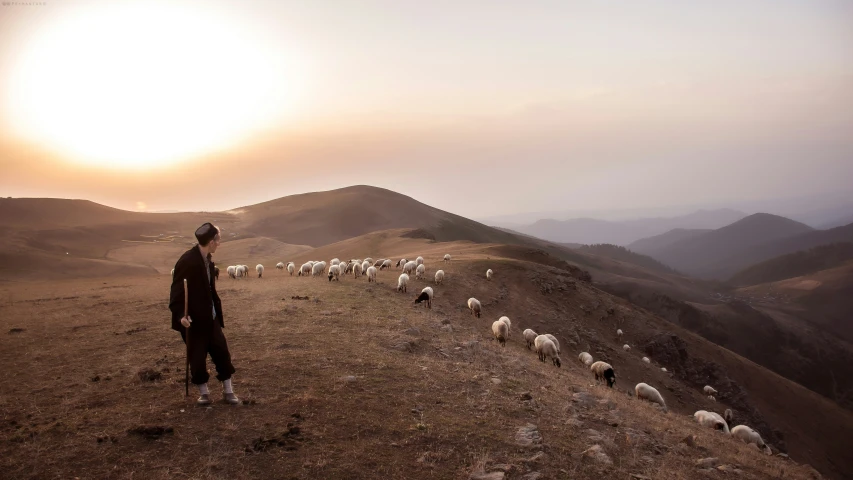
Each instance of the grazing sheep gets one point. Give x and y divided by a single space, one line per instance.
324 267
439 277
489 274
231 270
619 333
603 371
556 342
447 258
709 390
728 415
505 319
585 358
279 266
420 271
291 268
260 269
645 391
546 349
419 260
626 347
402 262
475 306
712 420
402 281
410 267
369 260
241 271
335 272
529 337
318 269
305 269
386 264
335 261
646 359
379 262
500 331
712 398
663 369
364 266
749 435
357 271
371 274
425 296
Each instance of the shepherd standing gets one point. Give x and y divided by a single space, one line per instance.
203 322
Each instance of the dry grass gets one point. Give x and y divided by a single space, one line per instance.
423 402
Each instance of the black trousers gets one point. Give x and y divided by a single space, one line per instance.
204 341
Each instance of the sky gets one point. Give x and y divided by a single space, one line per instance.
481 108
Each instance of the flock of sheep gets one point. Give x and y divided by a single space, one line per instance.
546 346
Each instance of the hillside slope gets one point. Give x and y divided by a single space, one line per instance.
657 243
795 264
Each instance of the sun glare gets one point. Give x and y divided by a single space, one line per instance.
146 85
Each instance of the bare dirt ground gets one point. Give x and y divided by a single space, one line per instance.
353 382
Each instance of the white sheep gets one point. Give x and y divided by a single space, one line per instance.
663 369
356 270
645 391
712 398
324 267
260 269
501 331
402 281
439 277
318 269
546 349
305 269
420 271
241 271
279 266
626 347
410 267
447 258
603 371
646 359
619 333
402 262
529 337
335 272
425 296
585 358
379 262
709 390
232 271
419 260
364 266
749 435
506 320
371 274
386 264
335 261
291 268
556 342
475 306
712 420
489 274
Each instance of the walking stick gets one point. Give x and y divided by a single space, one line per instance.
187 335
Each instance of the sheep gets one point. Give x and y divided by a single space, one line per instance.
419 260
439 277
291 268
402 262
585 358
645 391
663 369
489 274
501 331
529 337
619 333
712 398
279 266
709 390
646 359
426 295
241 271
369 260
260 269
379 262
446 258
505 319
335 261
305 269
386 264
626 347
556 342
728 415
371 274
215 272
324 267
420 271
357 271
545 348
364 266
712 420
748 435
603 371
410 267
402 281
231 270
475 306
318 269
335 272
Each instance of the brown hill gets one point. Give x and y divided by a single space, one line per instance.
356 380
658 243
795 264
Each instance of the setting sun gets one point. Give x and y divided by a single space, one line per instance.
146 85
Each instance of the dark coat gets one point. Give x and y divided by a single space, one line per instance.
201 293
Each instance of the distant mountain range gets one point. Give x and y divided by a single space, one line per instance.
593 231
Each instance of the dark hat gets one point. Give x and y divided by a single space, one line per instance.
206 232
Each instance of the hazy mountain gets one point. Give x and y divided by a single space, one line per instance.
795 264
650 245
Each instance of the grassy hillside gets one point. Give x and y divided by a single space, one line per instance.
795 264
622 254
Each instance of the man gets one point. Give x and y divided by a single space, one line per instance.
203 323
